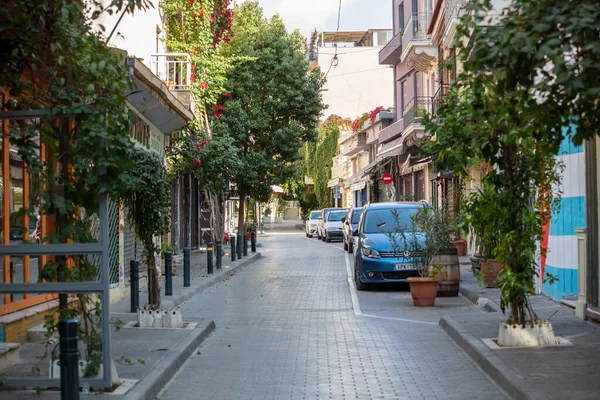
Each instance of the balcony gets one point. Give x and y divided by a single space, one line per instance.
392 131
418 51
356 144
414 111
390 53
438 97
452 9
174 69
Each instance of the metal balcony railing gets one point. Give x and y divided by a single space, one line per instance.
174 69
451 10
416 28
438 97
415 109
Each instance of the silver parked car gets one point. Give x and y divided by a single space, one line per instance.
312 223
332 226
320 225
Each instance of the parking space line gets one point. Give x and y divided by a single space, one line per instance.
356 304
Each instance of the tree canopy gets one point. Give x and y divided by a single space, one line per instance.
275 101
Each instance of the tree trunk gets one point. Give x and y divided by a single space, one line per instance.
242 214
216 216
153 286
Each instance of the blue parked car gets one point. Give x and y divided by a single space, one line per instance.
377 259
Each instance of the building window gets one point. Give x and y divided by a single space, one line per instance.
401 17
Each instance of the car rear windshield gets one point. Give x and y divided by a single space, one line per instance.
336 215
387 220
315 214
355 217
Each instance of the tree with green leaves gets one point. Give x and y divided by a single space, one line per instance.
51 59
499 114
275 102
149 211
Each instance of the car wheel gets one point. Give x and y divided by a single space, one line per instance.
310 236
360 285
345 245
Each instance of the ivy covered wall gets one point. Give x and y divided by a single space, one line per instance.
317 158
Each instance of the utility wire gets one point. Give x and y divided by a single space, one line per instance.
337 30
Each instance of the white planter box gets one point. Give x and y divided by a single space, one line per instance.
541 334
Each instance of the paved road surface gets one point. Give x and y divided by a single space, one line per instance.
291 327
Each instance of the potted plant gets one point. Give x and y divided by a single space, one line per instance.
426 237
482 217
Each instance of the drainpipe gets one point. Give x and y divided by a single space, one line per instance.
591 193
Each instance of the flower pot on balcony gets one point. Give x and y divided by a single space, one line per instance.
423 291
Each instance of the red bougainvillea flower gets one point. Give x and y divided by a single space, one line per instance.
218 107
212 19
201 14
228 95
191 1
196 162
194 68
203 143
193 78
204 85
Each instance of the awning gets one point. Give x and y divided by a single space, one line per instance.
391 148
334 182
358 186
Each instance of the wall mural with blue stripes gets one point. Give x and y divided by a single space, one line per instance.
561 256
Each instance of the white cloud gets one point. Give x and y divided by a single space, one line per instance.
305 14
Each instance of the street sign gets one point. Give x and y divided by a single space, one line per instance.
386 178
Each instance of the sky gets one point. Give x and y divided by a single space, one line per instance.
322 14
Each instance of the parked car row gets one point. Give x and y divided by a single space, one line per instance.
377 236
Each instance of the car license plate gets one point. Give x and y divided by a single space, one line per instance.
401 267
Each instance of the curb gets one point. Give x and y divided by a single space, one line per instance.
166 368
169 303
474 297
515 385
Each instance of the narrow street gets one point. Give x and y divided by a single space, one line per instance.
290 326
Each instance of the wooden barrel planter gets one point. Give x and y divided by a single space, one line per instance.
449 276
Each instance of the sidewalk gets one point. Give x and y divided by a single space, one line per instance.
560 372
145 359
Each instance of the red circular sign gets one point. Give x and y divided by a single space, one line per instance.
386 178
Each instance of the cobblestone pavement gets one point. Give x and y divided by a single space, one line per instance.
287 329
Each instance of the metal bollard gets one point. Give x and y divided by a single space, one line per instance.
209 257
69 359
219 254
253 242
168 273
239 246
134 275
245 245
186 267
233 258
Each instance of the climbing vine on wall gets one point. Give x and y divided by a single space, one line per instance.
318 158
198 27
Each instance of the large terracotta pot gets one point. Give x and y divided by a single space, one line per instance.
423 291
490 270
460 245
